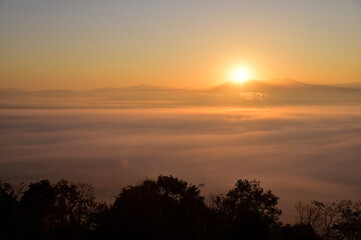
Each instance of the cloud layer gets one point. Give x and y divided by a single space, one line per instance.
300 153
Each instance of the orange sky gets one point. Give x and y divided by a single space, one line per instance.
92 44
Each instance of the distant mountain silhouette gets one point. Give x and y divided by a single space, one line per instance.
288 91
250 93
15 89
256 85
356 85
141 87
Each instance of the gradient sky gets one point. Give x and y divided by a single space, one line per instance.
87 44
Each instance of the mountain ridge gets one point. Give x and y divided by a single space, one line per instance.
232 86
250 93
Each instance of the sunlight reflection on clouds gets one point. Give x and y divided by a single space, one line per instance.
300 153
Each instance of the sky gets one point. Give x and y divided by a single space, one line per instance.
303 142
87 44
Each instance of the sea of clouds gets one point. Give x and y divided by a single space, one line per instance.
300 153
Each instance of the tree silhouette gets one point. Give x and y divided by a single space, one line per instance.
297 232
250 211
348 225
9 210
60 211
309 213
168 208
335 220
37 207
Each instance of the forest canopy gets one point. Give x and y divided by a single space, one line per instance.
166 208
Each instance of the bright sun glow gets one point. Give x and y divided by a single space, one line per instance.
240 74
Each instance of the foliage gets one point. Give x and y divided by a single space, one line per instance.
48 211
166 208
249 211
297 232
336 220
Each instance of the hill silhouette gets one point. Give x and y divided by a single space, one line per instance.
354 85
251 93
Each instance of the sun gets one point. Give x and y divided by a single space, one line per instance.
240 74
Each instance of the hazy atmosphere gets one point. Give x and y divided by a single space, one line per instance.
301 153
212 92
